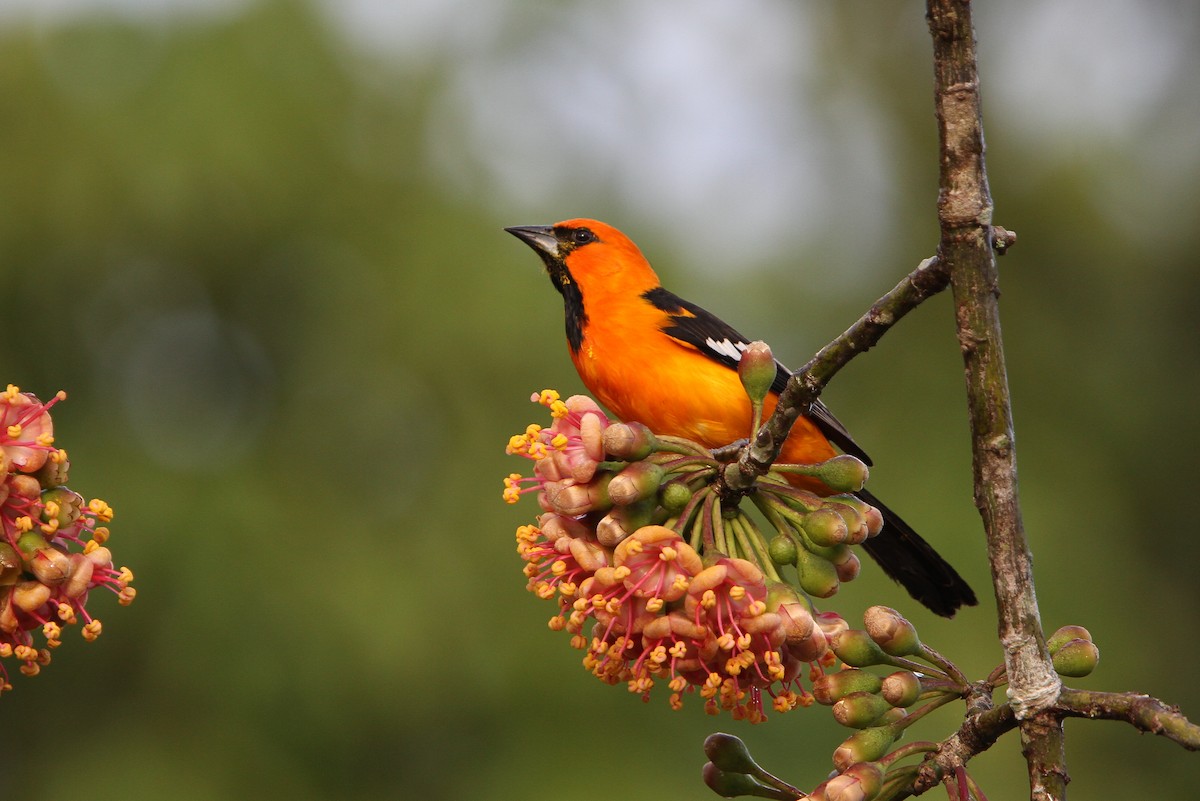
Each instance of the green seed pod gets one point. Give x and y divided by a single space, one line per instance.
901 689
857 649
833 687
1076 658
866 745
1064 635
818 576
782 549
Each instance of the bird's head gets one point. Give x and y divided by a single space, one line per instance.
589 255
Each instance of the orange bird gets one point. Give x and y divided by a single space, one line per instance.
651 356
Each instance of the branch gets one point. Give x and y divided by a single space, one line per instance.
806 384
1144 713
964 211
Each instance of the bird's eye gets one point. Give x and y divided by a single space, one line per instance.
581 236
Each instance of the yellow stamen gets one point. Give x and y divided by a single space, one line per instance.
14 431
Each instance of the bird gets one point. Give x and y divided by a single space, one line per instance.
649 355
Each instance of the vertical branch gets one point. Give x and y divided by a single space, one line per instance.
965 216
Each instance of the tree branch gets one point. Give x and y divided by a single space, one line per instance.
1146 714
806 384
965 212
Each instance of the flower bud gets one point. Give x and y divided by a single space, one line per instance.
861 781
825 527
674 496
1064 635
818 576
891 631
863 519
729 753
576 499
623 521
51 566
628 442
857 649
865 745
847 567
757 369
782 550
843 473
859 710
832 687
30 543
901 689
1076 658
53 473
637 481
732 785
10 565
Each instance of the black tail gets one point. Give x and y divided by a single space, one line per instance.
914 563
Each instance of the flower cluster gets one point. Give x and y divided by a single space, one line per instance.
655 581
52 551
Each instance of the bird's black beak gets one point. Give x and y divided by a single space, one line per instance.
539 237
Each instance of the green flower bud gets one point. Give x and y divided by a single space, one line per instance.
861 781
843 473
729 753
30 543
782 550
1064 635
757 369
832 687
628 442
732 785
891 631
637 481
825 527
848 566
1076 658
866 745
857 649
623 521
859 710
818 576
674 496
577 499
901 689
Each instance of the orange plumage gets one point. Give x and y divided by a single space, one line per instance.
650 356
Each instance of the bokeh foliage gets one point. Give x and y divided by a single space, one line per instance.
295 349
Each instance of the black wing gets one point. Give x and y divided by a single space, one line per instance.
720 342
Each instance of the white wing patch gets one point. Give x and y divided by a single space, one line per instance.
727 348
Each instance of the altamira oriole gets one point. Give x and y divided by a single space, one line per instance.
651 356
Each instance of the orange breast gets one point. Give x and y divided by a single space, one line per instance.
674 389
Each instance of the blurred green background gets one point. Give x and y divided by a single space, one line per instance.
259 244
